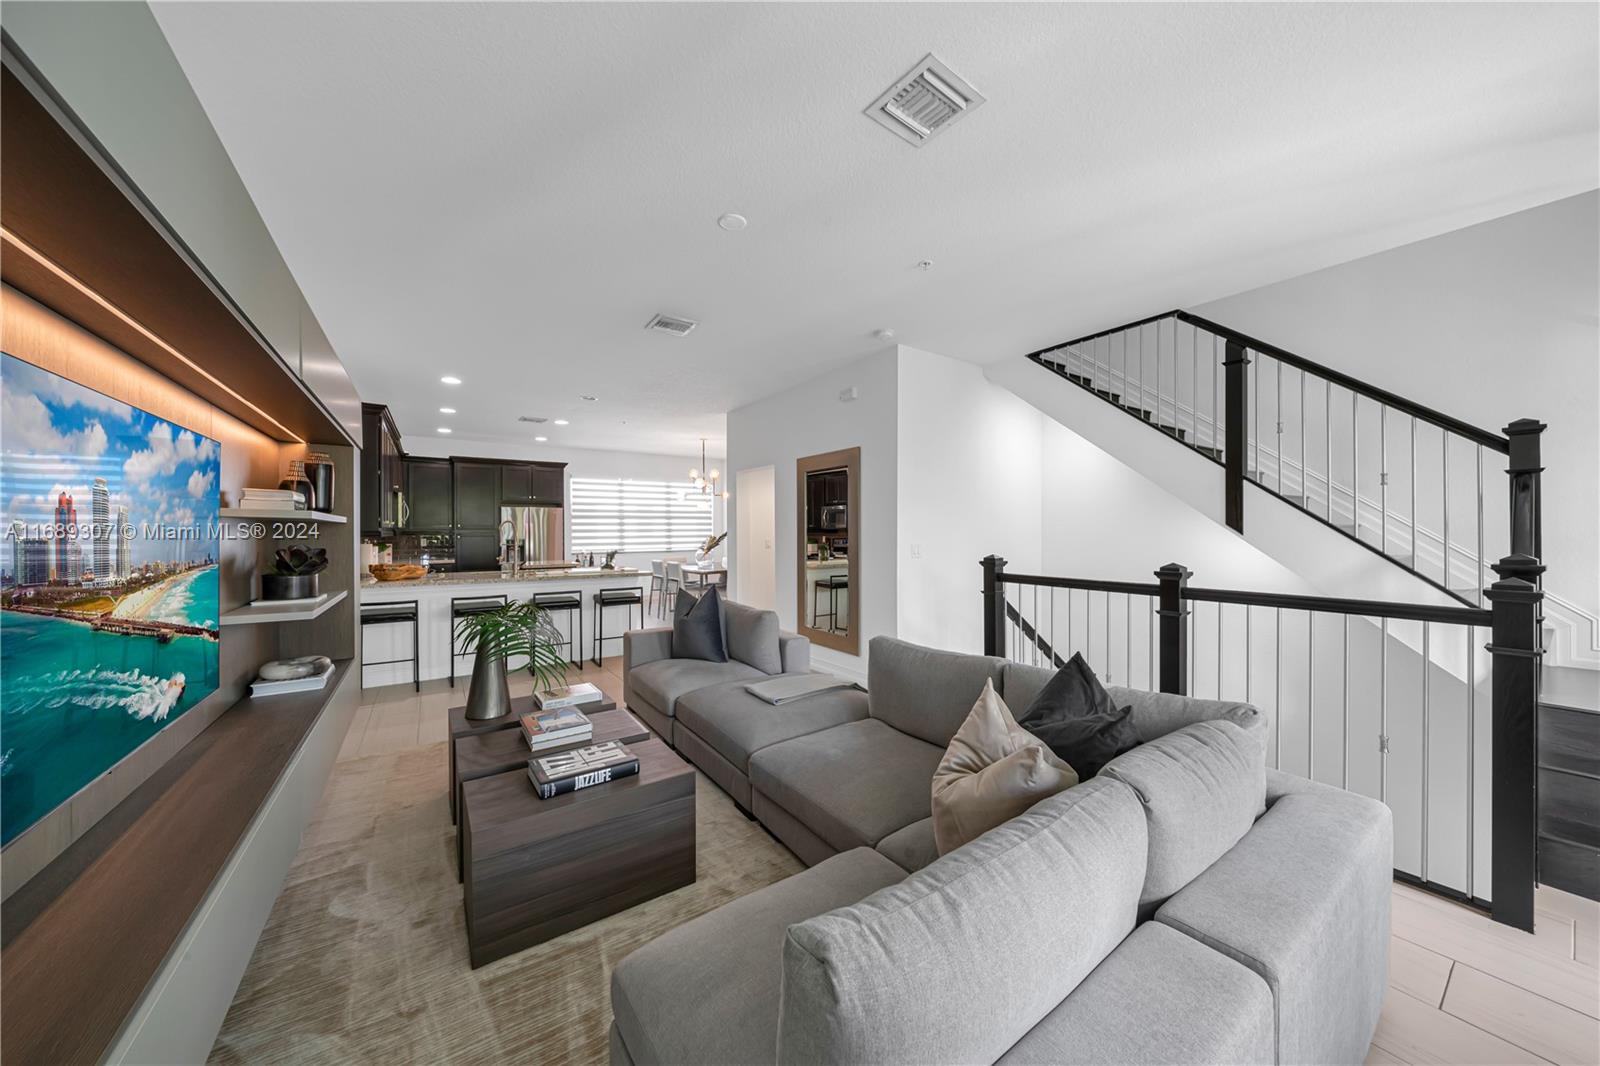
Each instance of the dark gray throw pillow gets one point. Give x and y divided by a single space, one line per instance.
697 627
1073 714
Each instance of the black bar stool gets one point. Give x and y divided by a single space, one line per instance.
464 607
384 614
614 597
832 586
572 604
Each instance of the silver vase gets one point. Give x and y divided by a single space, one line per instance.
488 696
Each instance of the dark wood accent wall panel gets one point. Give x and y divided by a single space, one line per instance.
61 203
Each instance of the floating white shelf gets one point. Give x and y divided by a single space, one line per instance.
249 615
287 516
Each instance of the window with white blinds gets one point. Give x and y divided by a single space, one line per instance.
638 516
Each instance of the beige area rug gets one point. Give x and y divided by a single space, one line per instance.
364 958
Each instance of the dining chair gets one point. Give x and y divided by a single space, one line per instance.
674 584
658 584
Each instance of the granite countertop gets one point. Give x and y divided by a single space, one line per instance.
827 564
495 577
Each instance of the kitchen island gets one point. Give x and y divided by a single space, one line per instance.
434 592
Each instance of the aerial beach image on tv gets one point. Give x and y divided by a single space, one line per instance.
108 584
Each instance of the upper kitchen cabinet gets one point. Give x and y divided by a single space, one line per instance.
428 495
533 483
477 493
383 501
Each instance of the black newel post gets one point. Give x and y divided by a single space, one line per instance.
1524 468
1236 366
1514 602
1173 612
994 606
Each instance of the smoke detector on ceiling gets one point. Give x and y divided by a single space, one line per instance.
927 101
677 327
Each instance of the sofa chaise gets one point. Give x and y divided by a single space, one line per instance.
1185 905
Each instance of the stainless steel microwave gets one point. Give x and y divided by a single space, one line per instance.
835 516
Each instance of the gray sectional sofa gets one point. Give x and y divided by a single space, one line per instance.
1186 905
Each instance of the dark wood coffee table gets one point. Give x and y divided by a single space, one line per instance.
462 726
487 754
537 868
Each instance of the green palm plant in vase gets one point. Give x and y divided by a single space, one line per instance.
517 630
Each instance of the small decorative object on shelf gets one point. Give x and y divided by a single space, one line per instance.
304 674
611 560
293 575
295 481
319 473
517 630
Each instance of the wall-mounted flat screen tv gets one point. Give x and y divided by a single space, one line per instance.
108 583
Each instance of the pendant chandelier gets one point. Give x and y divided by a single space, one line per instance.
705 481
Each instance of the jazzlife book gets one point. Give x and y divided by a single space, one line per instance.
584 768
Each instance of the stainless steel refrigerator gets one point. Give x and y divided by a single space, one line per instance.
533 536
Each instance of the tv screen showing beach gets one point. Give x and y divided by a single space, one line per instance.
108 580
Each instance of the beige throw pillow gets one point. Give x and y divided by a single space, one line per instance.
992 771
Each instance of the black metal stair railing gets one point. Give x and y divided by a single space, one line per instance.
1403 480
1405 703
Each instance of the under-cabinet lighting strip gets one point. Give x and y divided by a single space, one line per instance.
49 264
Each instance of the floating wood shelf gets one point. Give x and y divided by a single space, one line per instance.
291 516
250 615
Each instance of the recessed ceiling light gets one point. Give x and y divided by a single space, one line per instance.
588 399
562 422
541 440
450 379
444 429
733 222
447 410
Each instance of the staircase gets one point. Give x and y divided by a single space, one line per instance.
1411 484
1410 702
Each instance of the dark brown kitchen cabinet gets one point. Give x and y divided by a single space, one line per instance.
516 483
533 483
428 496
477 495
382 472
477 549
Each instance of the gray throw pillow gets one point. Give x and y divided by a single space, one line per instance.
697 627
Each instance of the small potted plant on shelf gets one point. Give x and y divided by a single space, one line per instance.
293 574
518 629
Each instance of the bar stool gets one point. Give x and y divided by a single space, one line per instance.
464 607
383 614
674 585
832 585
658 585
572 604
614 597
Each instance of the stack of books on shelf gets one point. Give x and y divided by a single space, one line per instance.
550 729
272 499
552 699
584 768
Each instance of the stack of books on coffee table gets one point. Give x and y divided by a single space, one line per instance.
553 729
552 699
584 768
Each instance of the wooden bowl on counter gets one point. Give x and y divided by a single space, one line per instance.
398 571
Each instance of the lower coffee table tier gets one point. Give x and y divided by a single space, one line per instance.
535 869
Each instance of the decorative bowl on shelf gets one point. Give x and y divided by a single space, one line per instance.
397 571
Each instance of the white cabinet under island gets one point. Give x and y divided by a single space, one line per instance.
433 595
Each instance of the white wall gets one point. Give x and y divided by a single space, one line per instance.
581 462
969 486
806 420
1490 323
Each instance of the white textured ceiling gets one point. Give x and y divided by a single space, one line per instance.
507 192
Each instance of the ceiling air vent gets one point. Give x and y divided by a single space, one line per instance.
535 419
926 102
677 327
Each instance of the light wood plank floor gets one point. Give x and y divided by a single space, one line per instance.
364 956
